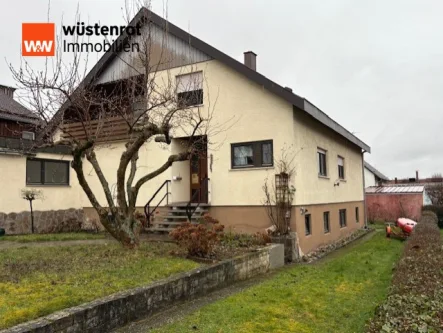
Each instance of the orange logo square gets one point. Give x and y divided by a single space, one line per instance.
38 39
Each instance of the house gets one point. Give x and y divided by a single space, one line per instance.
227 180
23 166
389 202
373 177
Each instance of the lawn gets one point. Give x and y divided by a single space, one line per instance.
36 281
336 295
51 237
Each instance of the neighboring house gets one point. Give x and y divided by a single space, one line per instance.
329 172
16 121
373 177
388 203
22 166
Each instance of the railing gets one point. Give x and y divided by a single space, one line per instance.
16 143
190 210
148 211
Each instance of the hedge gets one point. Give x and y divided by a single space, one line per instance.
415 301
438 210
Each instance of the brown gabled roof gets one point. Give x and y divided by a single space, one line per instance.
297 101
10 109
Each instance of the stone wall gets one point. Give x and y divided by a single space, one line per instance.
51 221
119 309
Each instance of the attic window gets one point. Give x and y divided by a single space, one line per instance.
190 89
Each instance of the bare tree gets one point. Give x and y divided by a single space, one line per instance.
141 105
435 189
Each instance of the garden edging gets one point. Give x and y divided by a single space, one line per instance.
121 308
323 251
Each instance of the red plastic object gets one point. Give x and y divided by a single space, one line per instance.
406 225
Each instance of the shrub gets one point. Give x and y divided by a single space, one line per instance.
235 240
438 210
415 301
199 239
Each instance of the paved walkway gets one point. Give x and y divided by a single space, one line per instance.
15 245
179 311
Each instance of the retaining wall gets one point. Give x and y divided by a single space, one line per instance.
122 308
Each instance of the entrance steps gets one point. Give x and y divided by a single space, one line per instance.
175 215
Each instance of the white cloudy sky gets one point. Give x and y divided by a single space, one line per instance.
374 66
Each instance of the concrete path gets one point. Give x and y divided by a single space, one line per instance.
15 245
185 308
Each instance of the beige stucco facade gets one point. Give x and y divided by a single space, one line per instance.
13 180
245 112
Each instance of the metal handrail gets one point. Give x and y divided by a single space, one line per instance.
189 211
148 212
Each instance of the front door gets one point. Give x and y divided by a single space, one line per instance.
199 174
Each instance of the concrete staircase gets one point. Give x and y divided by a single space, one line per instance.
175 216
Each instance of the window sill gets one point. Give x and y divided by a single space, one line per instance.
323 177
251 168
343 227
327 233
343 180
48 185
193 106
308 235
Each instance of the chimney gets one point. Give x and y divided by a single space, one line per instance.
288 89
416 176
396 180
251 60
8 91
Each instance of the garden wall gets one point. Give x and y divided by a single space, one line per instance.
119 309
51 221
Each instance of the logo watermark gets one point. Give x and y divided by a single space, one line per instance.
38 39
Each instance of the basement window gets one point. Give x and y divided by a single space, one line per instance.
255 154
47 172
190 89
342 216
308 229
357 217
326 224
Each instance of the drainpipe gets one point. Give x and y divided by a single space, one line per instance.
364 192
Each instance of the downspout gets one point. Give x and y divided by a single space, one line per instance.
364 186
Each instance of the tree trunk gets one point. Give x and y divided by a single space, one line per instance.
32 217
125 229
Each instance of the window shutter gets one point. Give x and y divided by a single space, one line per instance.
190 82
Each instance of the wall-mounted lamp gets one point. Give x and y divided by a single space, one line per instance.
337 182
303 210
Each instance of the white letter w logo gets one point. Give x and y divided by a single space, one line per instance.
38 46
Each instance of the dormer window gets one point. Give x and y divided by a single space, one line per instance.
190 89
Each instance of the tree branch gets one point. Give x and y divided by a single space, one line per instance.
126 157
77 165
163 168
131 199
92 158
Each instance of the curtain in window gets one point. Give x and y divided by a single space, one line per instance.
189 82
267 153
243 155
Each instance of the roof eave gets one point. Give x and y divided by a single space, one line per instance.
323 118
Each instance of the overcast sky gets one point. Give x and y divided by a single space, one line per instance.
375 66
